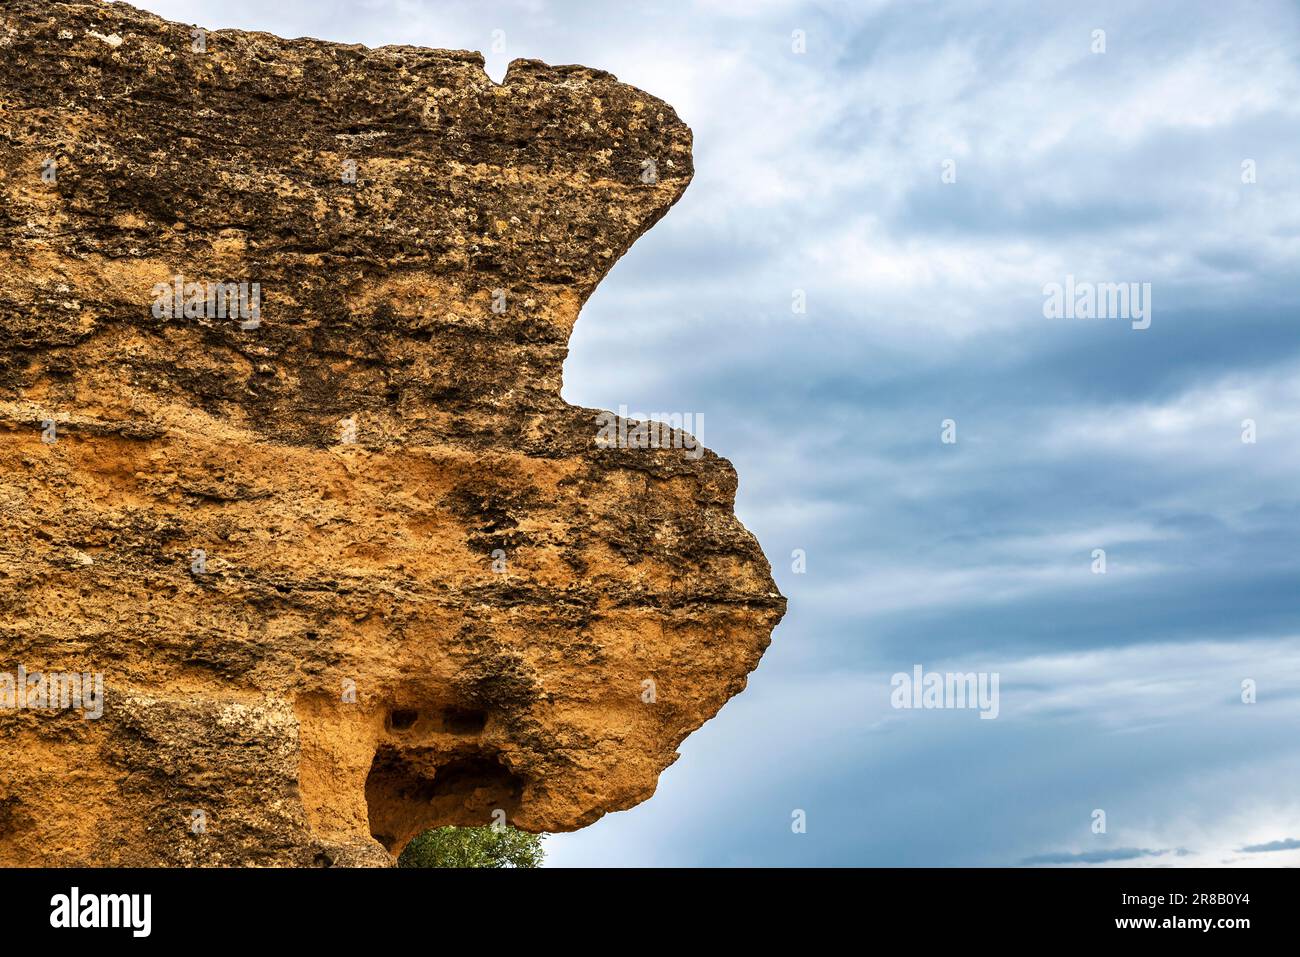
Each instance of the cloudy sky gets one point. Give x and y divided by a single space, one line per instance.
919 174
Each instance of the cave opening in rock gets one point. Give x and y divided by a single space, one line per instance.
410 790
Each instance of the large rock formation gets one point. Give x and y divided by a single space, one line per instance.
347 563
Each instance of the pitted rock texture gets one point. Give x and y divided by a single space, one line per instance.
353 568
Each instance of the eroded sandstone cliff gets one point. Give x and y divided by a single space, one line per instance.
348 565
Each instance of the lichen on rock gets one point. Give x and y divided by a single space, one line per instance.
283 456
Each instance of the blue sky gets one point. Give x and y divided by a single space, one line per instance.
822 171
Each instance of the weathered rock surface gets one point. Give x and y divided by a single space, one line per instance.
351 568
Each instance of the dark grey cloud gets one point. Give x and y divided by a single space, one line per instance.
1287 844
1093 857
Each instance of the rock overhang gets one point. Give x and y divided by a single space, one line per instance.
349 565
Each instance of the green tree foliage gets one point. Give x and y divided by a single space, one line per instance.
473 847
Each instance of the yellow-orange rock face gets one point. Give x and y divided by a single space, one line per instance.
347 563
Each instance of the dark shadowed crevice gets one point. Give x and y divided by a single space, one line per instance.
401 720
463 721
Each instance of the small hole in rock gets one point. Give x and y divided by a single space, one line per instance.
402 720
463 721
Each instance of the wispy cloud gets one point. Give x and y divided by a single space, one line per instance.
1095 857
1288 844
